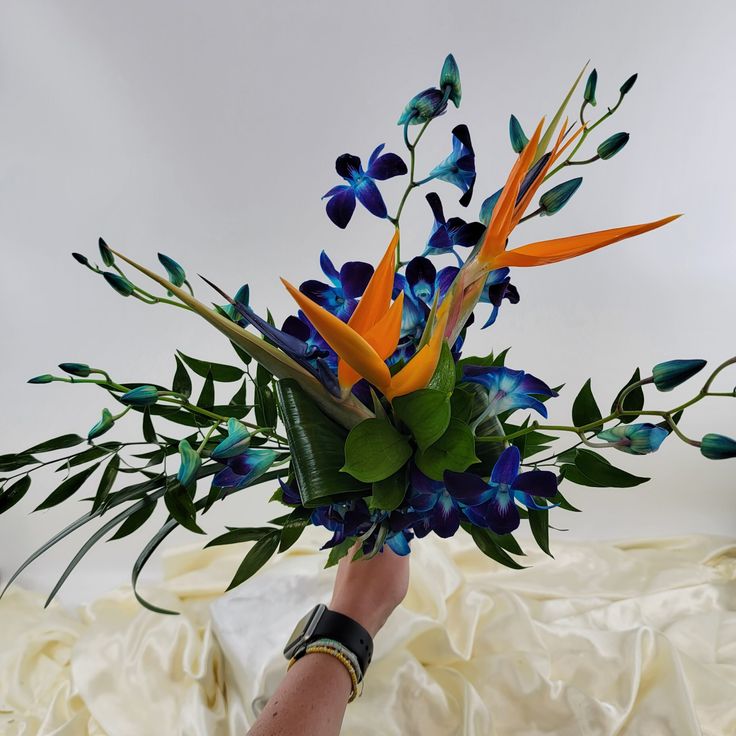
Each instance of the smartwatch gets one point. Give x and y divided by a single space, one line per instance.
321 623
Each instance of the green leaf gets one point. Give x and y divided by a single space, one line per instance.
634 401
57 443
488 451
443 378
149 433
240 397
240 534
507 542
564 503
135 520
378 408
598 469
182 383
339 551
106 482
181 507
426 413
455 450
297 521
67 488
220 372
374 450
206 398
263 376
86 456
258 555
461 404
13 493
539 523
317 445
584 408
245 357
15 461
389 492
266 410
487 545
573 474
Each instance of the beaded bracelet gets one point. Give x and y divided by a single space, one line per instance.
317 648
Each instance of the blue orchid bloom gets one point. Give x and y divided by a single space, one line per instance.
507 389
361 184
440 508
241 470
635 439
420 284
340 297
498 287
498 511
290 493
447 234
301 328
459 167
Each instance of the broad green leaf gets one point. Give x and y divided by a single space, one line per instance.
389 492
240 397
598 469
106 482
317 445
293 527
263 376
374 450
16 461
86 456
426 413
67 488
461 404
220 372
258 555
135 520
584 408
182 383
507 542
181 507
488 546
241 353
573 474
13 493
455 450
57 443
634 401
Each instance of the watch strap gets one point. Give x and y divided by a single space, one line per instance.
334 625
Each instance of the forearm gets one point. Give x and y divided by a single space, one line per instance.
310 701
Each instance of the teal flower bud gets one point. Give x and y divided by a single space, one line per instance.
241 297
557 197
190 463
718 447
450 77
423 107
176 273
141 396
672 373
236 442
517 135
105 253
590 85
119 283
45 378
628 84
611 146
635 439
102 426
81 259
76 369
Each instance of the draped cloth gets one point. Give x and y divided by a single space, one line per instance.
626 638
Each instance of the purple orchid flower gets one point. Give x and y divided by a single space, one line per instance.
498 511
340 297
361 184
447 234
498 287
241 470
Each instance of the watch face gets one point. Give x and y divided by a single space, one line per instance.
303 630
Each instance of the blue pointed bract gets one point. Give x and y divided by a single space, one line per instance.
672 373
635 439
361 185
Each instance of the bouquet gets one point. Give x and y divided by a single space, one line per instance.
360 414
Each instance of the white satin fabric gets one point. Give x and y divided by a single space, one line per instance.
630 638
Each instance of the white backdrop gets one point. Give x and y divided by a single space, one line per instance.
209 131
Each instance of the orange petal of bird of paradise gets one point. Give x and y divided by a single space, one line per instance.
560 249
350 346
417 372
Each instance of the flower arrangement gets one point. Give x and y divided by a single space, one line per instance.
361 409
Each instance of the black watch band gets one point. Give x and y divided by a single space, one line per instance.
321 623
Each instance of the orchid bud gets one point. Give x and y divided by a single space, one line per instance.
105 423
635 439
611 146
517 135
76 369
672 373
190 463
140 396
590 85
45 378
119 283
718 447
450 77
176 273
236 442
105 253
557 197
423 107
81 259
628 84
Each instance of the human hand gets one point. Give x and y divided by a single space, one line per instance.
369 590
